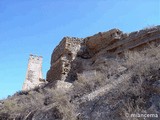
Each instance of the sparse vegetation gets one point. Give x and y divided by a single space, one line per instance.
34 100
135 94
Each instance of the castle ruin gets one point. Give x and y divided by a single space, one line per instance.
34 73
67 57
70 57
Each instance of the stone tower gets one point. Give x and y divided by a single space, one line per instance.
34 73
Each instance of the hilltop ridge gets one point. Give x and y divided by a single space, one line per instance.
108 76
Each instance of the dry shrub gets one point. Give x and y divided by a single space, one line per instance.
10 105
149 27
22 103
87 82
153 52
133 57
144 67
34 101
141 62
61 100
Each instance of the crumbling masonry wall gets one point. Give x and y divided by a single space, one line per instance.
62 57
112 42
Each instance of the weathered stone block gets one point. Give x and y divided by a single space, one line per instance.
99 41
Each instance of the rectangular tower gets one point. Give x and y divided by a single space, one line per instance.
34 73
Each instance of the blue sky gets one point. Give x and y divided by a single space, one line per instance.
37 26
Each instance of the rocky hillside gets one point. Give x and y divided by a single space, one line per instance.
108 76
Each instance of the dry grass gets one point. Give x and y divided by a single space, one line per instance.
86 83
141 62
144 67
25 104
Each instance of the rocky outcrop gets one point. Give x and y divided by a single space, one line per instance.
110 43
100 41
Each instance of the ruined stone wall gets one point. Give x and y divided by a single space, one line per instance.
34 73
112 42
62 57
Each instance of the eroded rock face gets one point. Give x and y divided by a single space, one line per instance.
68 57
101 40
